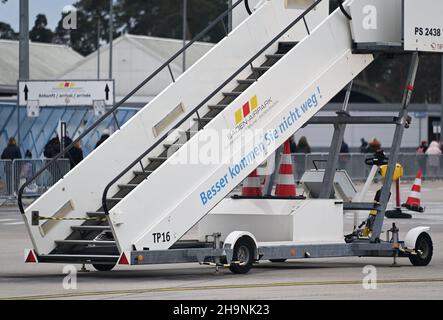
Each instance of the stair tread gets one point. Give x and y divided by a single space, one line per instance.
96 214
85 228
157 158
168 145
204 118
234 93
275 55
261 68
114 199
127 185
83 242
292 43
246 81
139 172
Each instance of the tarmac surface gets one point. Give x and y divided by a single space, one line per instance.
337 278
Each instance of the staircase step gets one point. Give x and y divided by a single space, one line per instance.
162 159
275 56
143 173
84 242
288 43
261 69
246 81
232 94
169 145
203 119
127 186
98 214
285 46
90 228
217 106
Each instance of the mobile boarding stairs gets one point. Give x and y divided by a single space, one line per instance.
135 199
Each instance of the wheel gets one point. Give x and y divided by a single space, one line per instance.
423 244
277 260
244 250
103 267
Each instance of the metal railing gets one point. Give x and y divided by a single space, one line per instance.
194 111
6 180
111 111
23 171
354 164
14 174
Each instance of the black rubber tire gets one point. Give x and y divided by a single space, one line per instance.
423 243
277 260
103 267
246 247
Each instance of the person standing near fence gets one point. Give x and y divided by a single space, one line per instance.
363 146
374 146
52 148
344 157
12 151
421 156
105 135
75 154
303 147
434 155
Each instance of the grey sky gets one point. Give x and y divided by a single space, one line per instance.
9 12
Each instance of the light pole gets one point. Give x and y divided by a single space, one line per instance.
111 32
185 26
98 48
230 16
24 40
23 53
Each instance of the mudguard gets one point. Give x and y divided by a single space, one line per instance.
232 238
412 235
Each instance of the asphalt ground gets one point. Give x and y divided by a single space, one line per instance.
329 278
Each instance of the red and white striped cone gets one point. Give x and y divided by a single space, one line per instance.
252 186
414 199
285 178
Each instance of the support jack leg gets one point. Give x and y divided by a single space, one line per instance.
83 268
394 262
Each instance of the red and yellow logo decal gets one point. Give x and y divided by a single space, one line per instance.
247 108
66 85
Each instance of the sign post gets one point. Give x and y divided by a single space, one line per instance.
51 93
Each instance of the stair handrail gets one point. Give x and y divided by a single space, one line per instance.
212 94
123 100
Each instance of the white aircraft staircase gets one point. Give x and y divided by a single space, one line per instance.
135 193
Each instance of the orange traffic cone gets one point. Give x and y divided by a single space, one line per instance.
413 202
285 178
252 185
